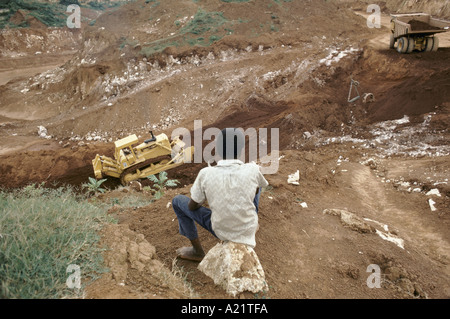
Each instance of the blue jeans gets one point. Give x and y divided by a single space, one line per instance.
187 218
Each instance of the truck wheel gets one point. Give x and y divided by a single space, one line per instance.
429 41
411 45
432 44
392 42
435 44
403 44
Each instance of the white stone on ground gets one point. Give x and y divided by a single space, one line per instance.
234 267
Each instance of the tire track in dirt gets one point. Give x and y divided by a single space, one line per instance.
414 225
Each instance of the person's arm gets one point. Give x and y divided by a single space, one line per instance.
198 195
193 206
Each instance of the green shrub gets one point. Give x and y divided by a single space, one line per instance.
93 186
161 183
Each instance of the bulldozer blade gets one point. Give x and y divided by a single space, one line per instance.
97 164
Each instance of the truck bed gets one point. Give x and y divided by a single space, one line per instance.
404 24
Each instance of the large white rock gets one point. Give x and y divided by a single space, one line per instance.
294 178
235 267
42 132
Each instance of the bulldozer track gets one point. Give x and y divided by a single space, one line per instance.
133 169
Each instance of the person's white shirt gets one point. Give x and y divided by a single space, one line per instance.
230 189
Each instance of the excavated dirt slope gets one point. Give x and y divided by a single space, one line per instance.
264 64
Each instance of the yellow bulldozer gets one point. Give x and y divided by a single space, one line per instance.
132 162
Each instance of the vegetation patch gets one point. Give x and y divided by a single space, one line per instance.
51 14
204 29
158 46
203 22
161 184
42 232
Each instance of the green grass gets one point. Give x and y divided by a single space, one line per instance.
51 14
69 2
42 232
101 6
127 42
203 22
203 30
158 46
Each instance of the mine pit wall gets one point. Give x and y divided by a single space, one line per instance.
52 166
28 41
437 8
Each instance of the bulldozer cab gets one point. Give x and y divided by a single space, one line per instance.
124 153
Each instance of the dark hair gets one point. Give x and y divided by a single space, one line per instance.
229 143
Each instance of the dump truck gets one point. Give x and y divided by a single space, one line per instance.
133 161
416 31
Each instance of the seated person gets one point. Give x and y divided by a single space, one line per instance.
232 190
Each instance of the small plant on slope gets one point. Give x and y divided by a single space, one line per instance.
161 183
94 185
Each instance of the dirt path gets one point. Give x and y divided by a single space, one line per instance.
418 226
18 73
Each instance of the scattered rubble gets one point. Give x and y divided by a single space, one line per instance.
433 191
362 225
336 55
431 202
351 220
391 139
42 132
294 178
